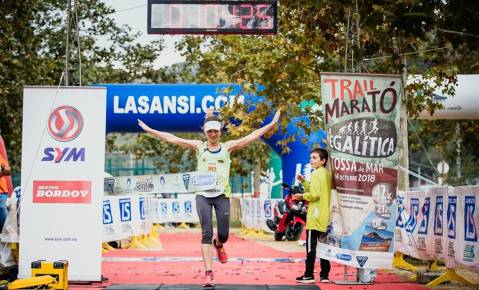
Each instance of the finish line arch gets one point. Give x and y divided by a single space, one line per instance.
181 108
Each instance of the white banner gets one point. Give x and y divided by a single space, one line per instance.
165 183
63 153
413 226
125 216
463 105
467 223
187 208
176 210
440 223
255 212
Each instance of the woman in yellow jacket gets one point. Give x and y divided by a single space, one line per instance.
318 194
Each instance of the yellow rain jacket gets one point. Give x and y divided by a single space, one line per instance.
318 194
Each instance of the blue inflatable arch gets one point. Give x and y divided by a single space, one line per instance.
181 108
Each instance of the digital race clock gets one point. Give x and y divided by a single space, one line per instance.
212 17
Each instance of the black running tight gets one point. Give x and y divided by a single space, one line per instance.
204 207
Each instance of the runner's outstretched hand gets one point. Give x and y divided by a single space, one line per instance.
144 126
276 116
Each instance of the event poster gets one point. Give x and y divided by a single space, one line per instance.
361 115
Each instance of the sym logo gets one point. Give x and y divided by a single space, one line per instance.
58 155
65 123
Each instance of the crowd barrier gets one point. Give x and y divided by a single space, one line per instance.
435 224
131 208
178 210
255 212
439 224
131 217
126 216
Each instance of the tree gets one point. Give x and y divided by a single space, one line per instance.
439 140
32 52
313 36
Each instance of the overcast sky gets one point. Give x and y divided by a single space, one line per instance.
134 13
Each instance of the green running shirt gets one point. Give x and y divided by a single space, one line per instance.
218 162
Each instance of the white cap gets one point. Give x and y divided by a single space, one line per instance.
212 125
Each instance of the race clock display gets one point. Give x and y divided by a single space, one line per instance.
212 17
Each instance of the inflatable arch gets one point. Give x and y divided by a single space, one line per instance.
181 108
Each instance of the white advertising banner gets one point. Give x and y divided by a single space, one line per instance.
255 212
464 104
174 210
440 223
63 153
130 217
187 204
165 183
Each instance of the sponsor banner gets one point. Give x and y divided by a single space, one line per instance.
112 227
63 159
440 223
464 104
361 115
451 237
125 216
187 208
255 212
468 254
164 183
177 210
415 224
357 259
180 104
52 191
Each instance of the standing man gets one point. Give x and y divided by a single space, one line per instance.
318 194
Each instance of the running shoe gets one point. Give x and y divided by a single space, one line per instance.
220 251
209 279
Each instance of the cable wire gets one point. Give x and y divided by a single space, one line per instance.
423 147
407 53
126 9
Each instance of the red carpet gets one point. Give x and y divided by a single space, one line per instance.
250 263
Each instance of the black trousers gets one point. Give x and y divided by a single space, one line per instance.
204 207
312 237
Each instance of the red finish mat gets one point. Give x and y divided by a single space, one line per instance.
250 263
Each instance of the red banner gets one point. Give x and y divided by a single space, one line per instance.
53 191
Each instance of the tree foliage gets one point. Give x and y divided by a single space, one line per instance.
436 39
452 141
313 38
32 52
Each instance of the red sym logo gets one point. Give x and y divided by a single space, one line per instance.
65 123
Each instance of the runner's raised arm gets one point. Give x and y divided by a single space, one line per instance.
170 138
